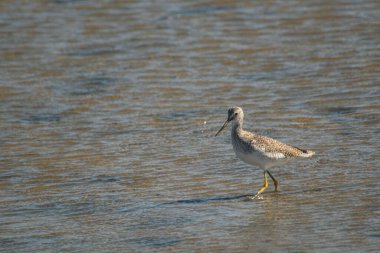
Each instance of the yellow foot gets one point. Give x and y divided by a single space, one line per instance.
257 196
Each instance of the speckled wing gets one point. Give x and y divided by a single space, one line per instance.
274 149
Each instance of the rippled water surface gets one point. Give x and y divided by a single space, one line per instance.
108 111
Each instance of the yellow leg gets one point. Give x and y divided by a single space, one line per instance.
274 180
265 184
262 188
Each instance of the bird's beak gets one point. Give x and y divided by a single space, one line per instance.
221 129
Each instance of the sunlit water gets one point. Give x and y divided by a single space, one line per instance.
108 111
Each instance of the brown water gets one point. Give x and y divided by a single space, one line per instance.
108 111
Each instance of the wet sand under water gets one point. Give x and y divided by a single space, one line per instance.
108 112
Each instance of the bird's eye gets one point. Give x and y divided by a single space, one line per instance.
235 113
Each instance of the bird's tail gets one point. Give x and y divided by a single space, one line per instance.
306 153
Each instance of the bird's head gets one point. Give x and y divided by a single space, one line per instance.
235 115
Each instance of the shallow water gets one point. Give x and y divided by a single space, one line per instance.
108 112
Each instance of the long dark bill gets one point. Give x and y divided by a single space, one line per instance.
221 129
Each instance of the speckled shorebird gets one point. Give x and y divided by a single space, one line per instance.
259 150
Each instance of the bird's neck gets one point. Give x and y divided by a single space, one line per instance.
237 127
